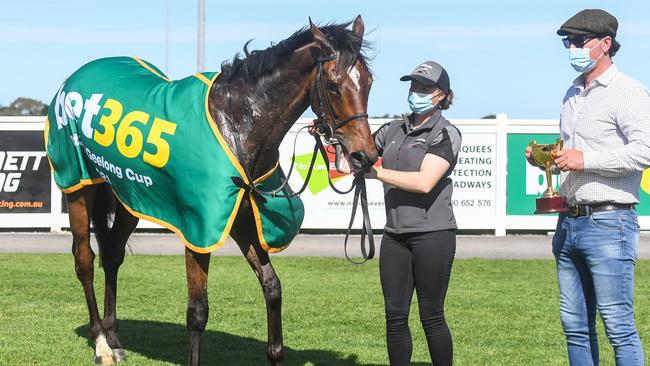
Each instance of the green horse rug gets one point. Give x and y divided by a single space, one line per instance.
120 120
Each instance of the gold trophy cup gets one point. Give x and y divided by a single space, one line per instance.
543 156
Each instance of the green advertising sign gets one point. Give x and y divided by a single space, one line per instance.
525 183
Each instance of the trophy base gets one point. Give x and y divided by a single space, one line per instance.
547 205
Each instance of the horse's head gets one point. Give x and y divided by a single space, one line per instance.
339 96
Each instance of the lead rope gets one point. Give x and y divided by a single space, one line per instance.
359 186
360 192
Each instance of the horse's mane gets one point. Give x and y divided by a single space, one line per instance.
260 63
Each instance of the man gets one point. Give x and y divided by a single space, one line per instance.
605 125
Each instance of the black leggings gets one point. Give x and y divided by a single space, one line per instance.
420 261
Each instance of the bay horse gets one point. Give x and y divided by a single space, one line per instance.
254 102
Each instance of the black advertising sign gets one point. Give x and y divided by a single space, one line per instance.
24 173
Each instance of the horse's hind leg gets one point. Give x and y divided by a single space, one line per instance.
260 262
112 242
80 207
197 266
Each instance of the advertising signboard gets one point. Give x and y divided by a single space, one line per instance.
474 184
24 173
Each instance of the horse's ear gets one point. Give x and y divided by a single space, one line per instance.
321 40
357 27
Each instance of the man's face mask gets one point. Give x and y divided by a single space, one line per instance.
580 59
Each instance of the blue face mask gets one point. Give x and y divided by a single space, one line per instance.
580 59
420 103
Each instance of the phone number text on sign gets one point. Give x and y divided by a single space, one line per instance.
474 176
471 203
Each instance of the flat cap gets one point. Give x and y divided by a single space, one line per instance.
590 21
429 73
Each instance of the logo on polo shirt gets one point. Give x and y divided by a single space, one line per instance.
417 143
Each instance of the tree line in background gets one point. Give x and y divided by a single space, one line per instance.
25 107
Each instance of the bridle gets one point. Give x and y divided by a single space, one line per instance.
325 130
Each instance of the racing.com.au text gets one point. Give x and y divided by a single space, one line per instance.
20 204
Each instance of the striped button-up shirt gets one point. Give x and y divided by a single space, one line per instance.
609 121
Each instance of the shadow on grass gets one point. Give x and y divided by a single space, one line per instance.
168 342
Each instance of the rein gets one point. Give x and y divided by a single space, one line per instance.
327 132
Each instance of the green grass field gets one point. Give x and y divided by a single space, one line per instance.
501 312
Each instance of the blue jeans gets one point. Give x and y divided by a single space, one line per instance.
595 257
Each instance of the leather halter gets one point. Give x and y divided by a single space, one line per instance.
321 126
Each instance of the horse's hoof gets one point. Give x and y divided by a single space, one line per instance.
105 360
119 354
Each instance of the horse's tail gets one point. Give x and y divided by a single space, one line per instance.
104 207
103 215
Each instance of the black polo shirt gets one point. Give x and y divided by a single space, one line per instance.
403 148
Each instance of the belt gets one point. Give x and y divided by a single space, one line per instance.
576 210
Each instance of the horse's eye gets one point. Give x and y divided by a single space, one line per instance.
332 87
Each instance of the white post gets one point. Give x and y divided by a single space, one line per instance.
200 63
167 37
55 206
502 171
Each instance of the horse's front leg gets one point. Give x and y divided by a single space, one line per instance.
196 265
261 264
80 207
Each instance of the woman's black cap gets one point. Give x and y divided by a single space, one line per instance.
429 73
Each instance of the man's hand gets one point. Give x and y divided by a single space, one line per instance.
529 157
570 160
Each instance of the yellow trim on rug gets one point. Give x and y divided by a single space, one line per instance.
144 64
267 174
46 139
202 77
220 138
258 217
260 233
82 183
203 250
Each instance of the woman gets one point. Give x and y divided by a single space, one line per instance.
419 153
